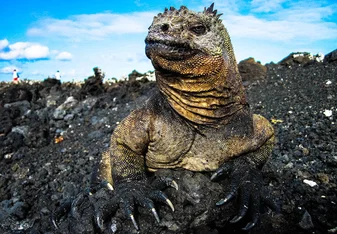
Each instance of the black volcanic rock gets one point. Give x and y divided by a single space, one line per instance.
250 70
302 58
331 57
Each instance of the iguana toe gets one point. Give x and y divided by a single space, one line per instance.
161 197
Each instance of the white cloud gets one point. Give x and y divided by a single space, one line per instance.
279 30
282 20
303 13
3 44
267 5
9 69
64 56
300 19
93 26
24 50
36 52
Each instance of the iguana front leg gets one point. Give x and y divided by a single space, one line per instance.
246 181
124 167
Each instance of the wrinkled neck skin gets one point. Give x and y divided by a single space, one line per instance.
207 92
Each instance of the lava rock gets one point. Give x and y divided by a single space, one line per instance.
302 58
331 57
306 221
251 70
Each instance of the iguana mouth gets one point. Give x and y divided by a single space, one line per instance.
169 50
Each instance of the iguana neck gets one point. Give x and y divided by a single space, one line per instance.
206 99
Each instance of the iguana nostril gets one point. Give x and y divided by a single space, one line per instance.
165 27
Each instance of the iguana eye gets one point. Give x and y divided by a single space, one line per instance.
198 29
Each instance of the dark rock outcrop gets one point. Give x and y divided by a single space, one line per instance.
134 75
251 71
302 58
93 85
331 57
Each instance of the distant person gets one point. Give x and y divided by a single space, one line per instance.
58 75
15 77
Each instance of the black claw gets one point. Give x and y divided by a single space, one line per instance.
216 174
161 197
100 221
106 184
132 217
223 170
134 222
145 202
255 207
127 205
244 202
164 182
249 226
236 219
229 197
241 214
247 181
154 212
174 185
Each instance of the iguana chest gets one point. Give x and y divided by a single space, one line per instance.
177 145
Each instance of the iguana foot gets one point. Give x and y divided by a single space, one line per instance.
131 193
71 205
126 195
246 182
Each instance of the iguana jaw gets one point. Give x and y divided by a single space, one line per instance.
168 49
173 56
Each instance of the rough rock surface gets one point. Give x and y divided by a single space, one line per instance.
331 57
251 71
45 160
303 58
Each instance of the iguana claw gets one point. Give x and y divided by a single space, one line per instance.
134 222
142 193
246 182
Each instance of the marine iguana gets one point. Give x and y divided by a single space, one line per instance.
198 120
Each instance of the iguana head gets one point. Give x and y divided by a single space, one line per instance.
191 37
195 65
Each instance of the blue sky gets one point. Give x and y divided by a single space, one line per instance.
39 37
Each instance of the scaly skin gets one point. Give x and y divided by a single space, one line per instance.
198 120
201 100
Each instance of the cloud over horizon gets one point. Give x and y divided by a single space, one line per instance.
9 69
282 20
22 50
277 23
92 26
3 44
64 56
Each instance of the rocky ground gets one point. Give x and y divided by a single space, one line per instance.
52 134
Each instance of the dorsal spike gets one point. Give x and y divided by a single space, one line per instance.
172 8
210 8
182 8
166 9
